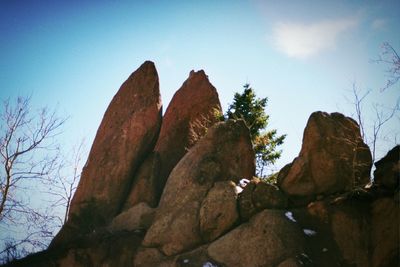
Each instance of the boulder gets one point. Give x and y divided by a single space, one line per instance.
225 153
333 158
146 257
126 135
245 201
190 113
153 257
385 241
139 216
268 196
319 211
218 211
109 250
195 258
387 172
265 240
350 231
291 262
336 234
259 195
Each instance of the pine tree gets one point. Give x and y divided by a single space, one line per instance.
251 109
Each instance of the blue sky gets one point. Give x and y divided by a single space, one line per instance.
302 55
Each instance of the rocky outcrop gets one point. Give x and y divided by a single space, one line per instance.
151 257
224 154
259 195
218 211
385 232
212 211
347 222
138 217
333 158
387 172
190 113
268 238
127 133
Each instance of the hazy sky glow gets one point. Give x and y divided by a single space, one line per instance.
303 55
303 41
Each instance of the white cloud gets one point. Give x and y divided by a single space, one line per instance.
305 40
378 24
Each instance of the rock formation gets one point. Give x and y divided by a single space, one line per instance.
385 232
126 134
191 111
387 172
333 158
224 154
259 195
269 232
138 217
319 213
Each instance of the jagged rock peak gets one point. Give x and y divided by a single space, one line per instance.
190 113
197 73
126 135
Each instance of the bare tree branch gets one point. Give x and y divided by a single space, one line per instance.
389 57
358 101
371 132
27 153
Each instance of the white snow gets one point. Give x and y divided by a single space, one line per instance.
309 232
239 189
289 215
243 182
209 264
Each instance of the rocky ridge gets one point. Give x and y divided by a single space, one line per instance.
175 197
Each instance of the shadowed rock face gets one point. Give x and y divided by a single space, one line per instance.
126 135
224 154
385 232
189 114
387 172
333 158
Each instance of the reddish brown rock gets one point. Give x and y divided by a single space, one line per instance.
126 135
218 211
319 210
350 232
145 183
224 153
387 172
333 158
291 262
267 239
147 257
385 232
139 216
268 196
191 111
153 257
259 195
110 250
245 200
197 257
